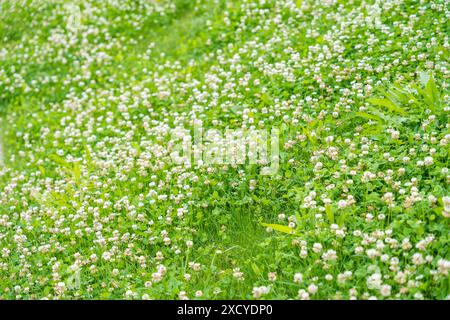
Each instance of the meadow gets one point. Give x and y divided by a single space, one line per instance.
105 195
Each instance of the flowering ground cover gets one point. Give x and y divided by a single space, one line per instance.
124 124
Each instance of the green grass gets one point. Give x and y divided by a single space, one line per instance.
358 90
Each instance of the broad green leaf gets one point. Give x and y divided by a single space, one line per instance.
432 93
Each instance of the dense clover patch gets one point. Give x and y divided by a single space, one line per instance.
92 204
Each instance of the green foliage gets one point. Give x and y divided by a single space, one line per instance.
93 207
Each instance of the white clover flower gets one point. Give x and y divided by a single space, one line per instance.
106 171
238 274
298 278
428 161
258 292
182 295
342 203
329 255
199 293
303 295
60 288
418 259
418 296
129 294
443 266
106 256
446 202
157 277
